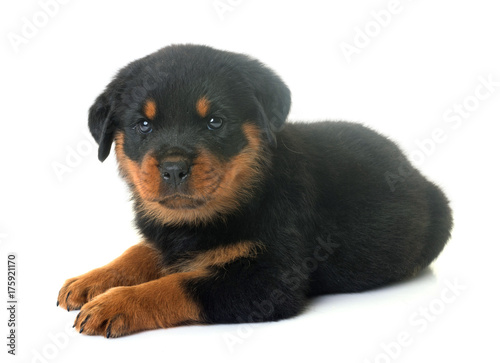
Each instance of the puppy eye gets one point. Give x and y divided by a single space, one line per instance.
144 127
214 123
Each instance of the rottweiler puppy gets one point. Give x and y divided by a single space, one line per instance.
245 217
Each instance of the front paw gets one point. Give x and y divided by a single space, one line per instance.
77 291
115 313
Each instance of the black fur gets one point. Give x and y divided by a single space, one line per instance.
328 217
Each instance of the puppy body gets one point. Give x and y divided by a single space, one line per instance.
328 220
245 216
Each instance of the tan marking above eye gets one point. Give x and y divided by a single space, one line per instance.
203 106
150 109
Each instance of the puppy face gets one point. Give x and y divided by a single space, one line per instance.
193 127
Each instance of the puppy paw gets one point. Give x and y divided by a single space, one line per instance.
115 313
79 290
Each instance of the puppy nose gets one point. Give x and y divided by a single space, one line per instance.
174 172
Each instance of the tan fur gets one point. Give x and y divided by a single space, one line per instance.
160 303
145 177
138 264
221 186
203 107
217 257
150 109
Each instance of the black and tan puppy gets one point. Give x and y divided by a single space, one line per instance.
245 217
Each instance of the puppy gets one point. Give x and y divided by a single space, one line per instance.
243 216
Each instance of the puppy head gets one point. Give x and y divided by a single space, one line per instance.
193 127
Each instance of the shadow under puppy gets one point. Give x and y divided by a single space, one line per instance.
244 216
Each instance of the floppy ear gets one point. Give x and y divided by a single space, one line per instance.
273 98
101 123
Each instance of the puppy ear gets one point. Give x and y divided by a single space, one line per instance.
273 97
101 123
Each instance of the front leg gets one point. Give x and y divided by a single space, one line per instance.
230 284
138 264
155 304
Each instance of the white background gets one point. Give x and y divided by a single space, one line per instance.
404 80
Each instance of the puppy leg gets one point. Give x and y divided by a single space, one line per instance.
138 264
161 303
223 285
